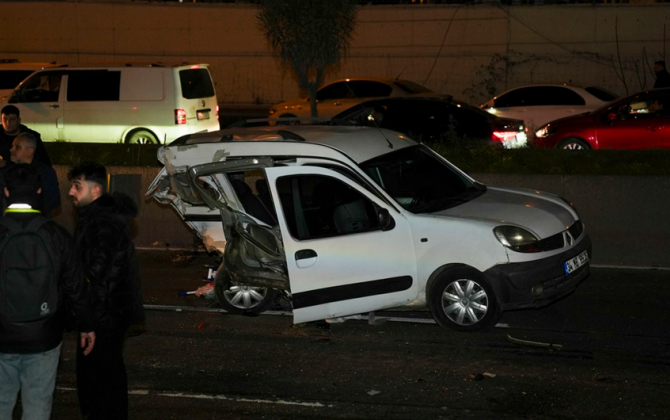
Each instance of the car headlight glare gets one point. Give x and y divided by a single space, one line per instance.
517 239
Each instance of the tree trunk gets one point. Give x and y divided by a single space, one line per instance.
312 99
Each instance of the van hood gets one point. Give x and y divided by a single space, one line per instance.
543 214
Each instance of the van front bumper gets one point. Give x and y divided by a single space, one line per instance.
535 284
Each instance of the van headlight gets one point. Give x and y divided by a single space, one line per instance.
273 110
545 131
517 239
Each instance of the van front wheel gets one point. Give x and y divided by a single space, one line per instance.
141 137
462 299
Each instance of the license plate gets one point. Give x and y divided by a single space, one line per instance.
574 263
203 115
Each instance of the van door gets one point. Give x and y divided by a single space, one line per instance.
92 112
340 261
40 101
195 100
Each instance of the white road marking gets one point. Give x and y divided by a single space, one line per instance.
215 397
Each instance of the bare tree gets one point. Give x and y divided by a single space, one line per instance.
309 35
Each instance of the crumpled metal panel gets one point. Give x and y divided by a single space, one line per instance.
254 254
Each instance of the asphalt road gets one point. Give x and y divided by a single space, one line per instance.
609 358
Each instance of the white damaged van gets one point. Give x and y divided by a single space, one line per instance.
345 220
118 104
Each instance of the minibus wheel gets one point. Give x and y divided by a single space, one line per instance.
141 136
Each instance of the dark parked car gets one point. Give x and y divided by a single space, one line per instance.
436 119
639 121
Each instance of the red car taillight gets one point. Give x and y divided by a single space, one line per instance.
504 135
217 112
180 116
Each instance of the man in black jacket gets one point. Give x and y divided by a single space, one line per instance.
29 350
11 127
107 253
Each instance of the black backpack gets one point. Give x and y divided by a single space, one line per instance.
28 281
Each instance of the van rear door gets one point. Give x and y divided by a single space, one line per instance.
196 105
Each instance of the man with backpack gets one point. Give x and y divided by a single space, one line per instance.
107 253
40 280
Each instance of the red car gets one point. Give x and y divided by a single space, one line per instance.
639 121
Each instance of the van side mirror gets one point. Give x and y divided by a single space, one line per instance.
386 222
611 116
14 99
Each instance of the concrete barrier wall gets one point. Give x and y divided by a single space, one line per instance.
469 51
626 217
156 226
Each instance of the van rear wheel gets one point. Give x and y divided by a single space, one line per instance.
141 136
241 299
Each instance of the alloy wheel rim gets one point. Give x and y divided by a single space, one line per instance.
465 302
245 297
143 140
574 146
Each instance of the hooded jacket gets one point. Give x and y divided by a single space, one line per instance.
107 253
46 334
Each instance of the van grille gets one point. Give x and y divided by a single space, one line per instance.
557 241
576 229
552 242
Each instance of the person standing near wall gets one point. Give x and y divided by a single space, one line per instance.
662 75
32 319
107 253
23 151
11 127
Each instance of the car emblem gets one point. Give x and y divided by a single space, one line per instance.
203 103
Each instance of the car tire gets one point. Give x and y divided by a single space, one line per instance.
141 136
240 299
462 299
573 144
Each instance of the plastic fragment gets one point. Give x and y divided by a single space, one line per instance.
551 346
374 392
206 291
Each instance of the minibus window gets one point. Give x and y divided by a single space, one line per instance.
196 83
93 85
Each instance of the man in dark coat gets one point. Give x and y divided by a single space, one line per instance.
662 75
11 127
23 151
107 253
29 349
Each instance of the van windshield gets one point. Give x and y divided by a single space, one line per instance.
419 181
196 83
9 79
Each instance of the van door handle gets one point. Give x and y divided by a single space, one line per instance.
653 128
305 258
303 254
54 106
